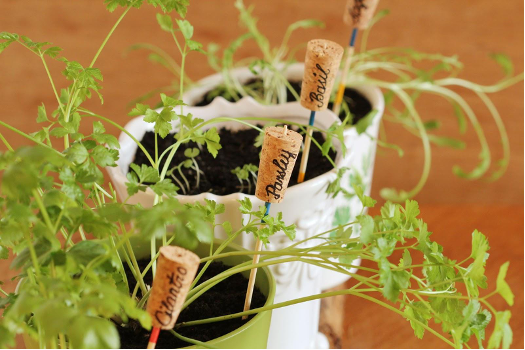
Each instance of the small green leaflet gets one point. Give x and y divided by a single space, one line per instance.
502 286
161 120
4 252
105 157
186 28
146 173
77 153
505 63
365 122
365 200
165 22
42 115
165 187
414 312
502 335
139 109
367 228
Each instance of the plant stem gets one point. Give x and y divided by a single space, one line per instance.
52 83
6 143
109 34
192 341
29 137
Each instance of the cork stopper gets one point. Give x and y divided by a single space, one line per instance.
176 269
279 153
321 63
359 13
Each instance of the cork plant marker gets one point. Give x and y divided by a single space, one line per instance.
279 153
176 269
321 63
358 14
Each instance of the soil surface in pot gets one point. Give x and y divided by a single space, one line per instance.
358 104
237 150
226 297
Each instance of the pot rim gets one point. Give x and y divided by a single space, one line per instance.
371 93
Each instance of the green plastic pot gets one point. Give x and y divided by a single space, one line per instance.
254 333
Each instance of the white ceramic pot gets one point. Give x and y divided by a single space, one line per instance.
295 326
360 160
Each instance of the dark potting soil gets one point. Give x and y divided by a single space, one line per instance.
237 150
226 297
358 104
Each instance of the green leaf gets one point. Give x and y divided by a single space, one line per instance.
146 173
365 122
42 116
105 157
170 101
365 200
59 132
45 317
186 28
245 205
4 252
53 51
213 139
98 127
195 46
476 270
227 226
85 251
87 332
504 62
139 109
165 22
161 120
165 187
502 335
417 311
367 228
503 287
407 259
77 153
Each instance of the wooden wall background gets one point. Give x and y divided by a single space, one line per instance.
470 29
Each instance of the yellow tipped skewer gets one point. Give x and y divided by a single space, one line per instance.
346 68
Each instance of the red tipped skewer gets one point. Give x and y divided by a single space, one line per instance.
153 338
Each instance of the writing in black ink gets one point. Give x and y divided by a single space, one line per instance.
322 76
282 167
355 11
165 313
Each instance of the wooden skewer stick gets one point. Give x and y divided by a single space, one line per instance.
153 338
358 14
253 272
306 148
321 63
346 68
279 152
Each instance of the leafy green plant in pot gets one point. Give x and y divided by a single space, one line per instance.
78 246
273 80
